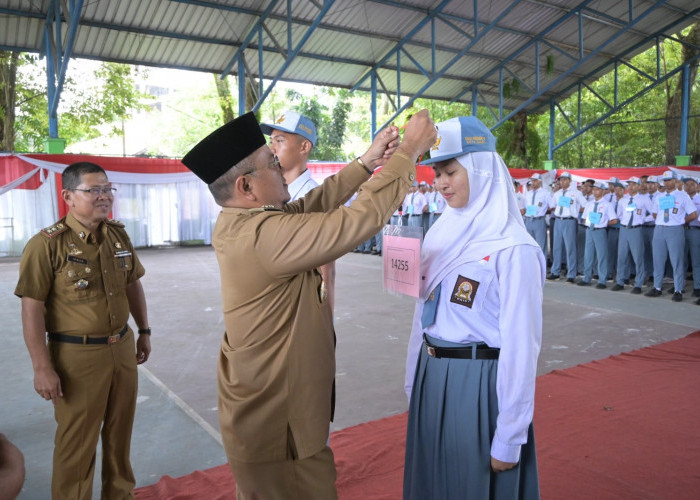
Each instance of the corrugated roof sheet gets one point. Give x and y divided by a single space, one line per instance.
355 35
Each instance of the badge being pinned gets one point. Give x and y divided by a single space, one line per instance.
464 291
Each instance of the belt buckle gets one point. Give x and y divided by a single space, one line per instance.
113 339
430 350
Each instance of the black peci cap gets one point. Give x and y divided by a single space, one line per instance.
214 155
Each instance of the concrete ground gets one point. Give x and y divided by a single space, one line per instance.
176 429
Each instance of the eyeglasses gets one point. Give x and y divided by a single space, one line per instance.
97 191
275 164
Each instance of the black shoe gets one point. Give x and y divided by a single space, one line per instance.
696 292
601 286
697 302
626 282
636 290
669 291
617 287
584 283
677 296
551 276
653 292
570 280
375 252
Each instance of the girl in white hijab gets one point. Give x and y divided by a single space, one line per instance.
477 328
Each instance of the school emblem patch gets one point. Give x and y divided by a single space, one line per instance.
464 291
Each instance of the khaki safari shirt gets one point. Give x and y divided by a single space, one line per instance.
82 283
277 360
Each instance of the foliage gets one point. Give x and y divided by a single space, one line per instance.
635 135
110 97
330 130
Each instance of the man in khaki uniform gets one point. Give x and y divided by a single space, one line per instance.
277 360
78 281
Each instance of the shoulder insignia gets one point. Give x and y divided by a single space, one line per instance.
114 222
55 230
264 208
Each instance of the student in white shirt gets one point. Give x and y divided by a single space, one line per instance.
692 234
292 137
631 212
599 214
478 319
566 204
672 211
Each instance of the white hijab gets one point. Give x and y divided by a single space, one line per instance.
490 221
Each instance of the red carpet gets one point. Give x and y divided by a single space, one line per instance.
624 427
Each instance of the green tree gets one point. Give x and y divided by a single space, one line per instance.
111 98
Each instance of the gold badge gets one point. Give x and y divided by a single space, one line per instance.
464 291
117 244
81 284
71 274
82 234
74 250
280 119
88 270
437 144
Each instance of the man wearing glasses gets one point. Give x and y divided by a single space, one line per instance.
79 281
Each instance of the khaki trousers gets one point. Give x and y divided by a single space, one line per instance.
311 478
99 385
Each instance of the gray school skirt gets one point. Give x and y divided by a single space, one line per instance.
451 422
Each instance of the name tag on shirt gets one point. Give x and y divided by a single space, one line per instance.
78 260
666 202
594 217
564 201
531 210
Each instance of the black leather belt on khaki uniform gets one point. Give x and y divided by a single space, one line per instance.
84 339
472 351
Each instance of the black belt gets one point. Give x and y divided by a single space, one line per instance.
596 228
533 218
84 339
416 215
613 227
692 227
633 227
478 351
566 218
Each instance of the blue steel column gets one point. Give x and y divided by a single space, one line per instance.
550 146
58 55
241 85
475 96
684 110
373 120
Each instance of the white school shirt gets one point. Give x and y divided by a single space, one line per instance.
577 202
635 207
696 201
520 198
301 185
417 200
540 199
682 206
502 316
652 201
438 200
604 208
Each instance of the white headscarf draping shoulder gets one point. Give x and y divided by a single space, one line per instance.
491 221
